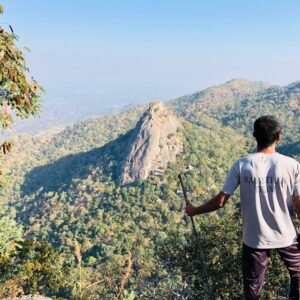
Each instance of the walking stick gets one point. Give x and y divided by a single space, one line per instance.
198 242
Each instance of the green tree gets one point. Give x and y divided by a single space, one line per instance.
10 235
35 267
20 97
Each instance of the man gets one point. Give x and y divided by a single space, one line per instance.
269 188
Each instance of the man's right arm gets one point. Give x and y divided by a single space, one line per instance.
213 204
230 185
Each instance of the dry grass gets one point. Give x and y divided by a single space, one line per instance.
126 275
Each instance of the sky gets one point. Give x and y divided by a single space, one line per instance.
116 52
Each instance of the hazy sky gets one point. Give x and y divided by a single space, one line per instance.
120 51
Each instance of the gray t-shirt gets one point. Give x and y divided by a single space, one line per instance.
268 183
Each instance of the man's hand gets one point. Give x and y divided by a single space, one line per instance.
190 209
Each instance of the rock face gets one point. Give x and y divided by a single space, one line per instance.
154 142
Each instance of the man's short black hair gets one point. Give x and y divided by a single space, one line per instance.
266 130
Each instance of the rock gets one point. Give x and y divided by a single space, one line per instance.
153 143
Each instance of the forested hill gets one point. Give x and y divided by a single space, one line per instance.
239 102
66 187
216 97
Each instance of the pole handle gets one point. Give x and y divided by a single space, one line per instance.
183 189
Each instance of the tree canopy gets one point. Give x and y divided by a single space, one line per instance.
20 96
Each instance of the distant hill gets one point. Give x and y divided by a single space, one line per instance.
57 116
216 97
238 103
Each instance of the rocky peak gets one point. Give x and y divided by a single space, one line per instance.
153 143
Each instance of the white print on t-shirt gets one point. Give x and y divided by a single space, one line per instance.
266 184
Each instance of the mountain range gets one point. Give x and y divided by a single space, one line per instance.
111 182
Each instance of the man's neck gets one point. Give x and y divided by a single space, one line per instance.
268 150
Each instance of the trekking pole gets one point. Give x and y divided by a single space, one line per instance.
198 242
